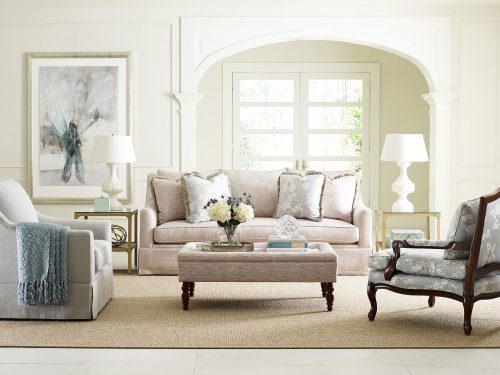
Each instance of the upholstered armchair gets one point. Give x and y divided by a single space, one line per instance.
89 272
465 267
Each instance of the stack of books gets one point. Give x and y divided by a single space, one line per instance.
287 244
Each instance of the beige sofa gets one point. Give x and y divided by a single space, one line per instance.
351 237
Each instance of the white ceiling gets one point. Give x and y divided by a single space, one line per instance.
118 3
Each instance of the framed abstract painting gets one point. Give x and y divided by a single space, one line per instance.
73 98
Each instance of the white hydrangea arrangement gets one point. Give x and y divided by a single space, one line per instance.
229 212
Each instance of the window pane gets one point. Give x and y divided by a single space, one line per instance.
335 144
335 90
335 165
335 117
266 145
255 165
269 90
266 117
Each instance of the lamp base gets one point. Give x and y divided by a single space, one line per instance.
402 205
112 186
402 187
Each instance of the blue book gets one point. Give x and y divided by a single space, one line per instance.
287 244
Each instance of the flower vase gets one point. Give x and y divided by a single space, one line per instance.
229 234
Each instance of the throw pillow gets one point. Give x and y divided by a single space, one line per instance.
338 196
198 191
462 227
300 196
169 199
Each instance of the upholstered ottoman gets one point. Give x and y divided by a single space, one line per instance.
316 265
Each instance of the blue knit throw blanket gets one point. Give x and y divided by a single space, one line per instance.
42 263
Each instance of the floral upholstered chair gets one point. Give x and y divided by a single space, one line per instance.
465 267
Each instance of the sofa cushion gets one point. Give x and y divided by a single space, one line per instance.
261 185
102 254
173 175
15 204
300 196
257 230
169 199
338 196
198 191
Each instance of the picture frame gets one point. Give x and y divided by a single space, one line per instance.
73 97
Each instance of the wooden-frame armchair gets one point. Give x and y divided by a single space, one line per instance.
467 271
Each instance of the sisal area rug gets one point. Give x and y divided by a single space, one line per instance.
146 313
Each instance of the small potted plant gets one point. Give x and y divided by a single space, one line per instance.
230 212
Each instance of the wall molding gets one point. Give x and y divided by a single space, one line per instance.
439 152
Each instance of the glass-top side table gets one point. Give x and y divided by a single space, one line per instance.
381 224
131 216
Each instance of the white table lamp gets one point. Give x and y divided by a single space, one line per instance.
404 149
113 150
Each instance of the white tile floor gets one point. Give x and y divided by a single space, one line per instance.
14 361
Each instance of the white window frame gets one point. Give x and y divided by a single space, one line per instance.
370 188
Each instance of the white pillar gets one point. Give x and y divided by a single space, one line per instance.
439 154
188 102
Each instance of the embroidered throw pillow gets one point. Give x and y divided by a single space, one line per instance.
198 191
300 196
169 199
338 196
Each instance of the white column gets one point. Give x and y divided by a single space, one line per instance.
439 154
188 102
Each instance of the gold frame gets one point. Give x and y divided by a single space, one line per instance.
128 124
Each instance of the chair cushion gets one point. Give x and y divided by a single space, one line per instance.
489 251
430 262
261 185
257 230
462 227
427 262
169 199
300 196
338 196
15 204
380 259
102 254
406 281
490 284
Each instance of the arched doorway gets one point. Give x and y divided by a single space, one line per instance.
422 40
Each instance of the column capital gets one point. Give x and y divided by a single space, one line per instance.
188 101
440 101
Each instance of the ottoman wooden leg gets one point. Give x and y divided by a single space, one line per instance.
329 296
191 290
323 289
185 295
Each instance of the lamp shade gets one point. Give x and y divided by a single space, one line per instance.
113 149
404 147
